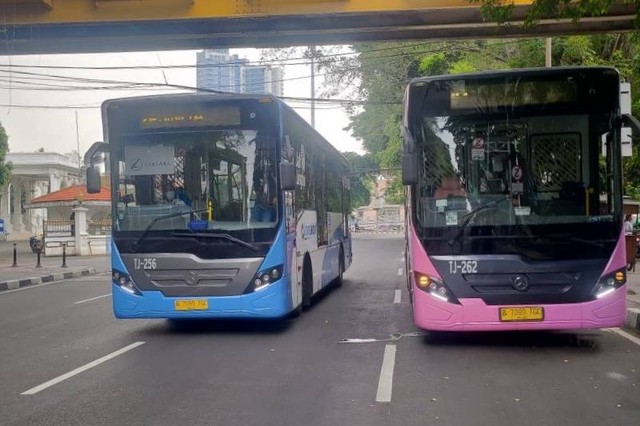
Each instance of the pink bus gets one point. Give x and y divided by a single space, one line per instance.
514 201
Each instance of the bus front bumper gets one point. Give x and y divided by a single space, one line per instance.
431 313
272 302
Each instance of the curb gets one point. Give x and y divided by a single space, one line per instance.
51 278
632 321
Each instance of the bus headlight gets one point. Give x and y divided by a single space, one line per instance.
435 287
124 281
607 284
266 277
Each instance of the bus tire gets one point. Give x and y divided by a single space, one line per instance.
339 281
297 311
307 283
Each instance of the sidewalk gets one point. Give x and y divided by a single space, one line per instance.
51 270
633 300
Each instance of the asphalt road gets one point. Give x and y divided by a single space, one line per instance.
354 359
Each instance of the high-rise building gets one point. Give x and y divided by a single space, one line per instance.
261 79
218 70
277 83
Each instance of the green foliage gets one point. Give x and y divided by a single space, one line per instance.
378 74
377 124
5 169
462 67
395 191
501 11
361 184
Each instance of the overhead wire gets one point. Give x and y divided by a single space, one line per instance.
109 84
233 63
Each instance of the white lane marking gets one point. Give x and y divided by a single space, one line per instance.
385 384
93 298
359 340
392 338
400 271
29 287
626 335
79 370
398 296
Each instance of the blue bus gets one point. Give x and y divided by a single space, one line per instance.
223 206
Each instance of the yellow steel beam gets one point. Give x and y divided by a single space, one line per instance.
87 11
59 26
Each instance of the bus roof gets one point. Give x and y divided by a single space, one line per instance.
212 97
185 97
514 72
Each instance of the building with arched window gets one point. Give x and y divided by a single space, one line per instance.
34 174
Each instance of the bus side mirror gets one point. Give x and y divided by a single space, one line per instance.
93 180
409 169
96 153
287 176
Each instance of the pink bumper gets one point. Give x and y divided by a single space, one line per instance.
430 313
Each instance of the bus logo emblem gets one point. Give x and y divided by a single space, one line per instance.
192 278
520 283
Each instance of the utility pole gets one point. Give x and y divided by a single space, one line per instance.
79 157
547 56
312 49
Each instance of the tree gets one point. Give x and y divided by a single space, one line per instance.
361 183
501 11
5 169
379 73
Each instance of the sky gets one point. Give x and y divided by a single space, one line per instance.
54 128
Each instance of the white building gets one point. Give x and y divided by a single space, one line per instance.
34 174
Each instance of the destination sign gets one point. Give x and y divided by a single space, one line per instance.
199 116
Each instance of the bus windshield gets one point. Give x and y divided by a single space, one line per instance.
500 177
229 177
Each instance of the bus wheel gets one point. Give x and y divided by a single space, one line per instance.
296 312
340 279
307 284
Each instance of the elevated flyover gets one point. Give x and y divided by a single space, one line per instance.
65 26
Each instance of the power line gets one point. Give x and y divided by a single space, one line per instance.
33 77
240 63
125 85
226 64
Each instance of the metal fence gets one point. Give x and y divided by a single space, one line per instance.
99 227
58 228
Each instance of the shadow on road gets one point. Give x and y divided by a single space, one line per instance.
224 326
582 340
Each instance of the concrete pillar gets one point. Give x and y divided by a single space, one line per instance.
4 203
16 219
82 235
30 215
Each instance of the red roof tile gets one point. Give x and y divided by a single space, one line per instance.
74 193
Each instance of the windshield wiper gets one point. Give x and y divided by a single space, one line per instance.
219 236
470 216
159 218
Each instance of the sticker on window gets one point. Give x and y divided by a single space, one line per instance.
523 211
477 149
149 160
441 205
452 218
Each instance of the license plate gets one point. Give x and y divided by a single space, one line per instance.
529 313
192 305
